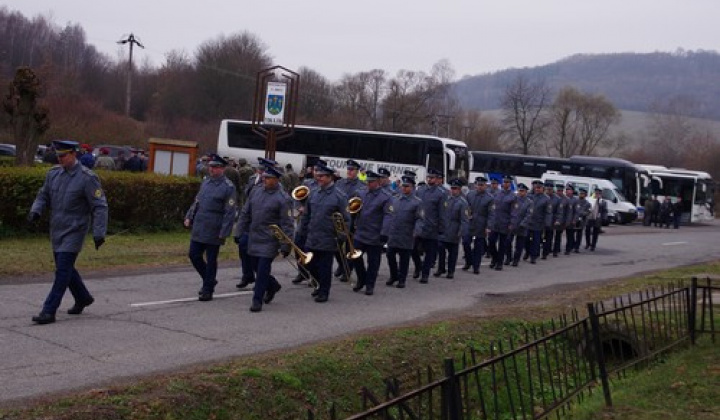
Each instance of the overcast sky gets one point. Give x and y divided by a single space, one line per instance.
340 36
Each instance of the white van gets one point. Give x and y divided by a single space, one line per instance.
619 209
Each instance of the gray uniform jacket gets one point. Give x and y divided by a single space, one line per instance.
455 219
405 221
72 196
480 205
522 213
213 212
266 207
558 212
350 187
373 219
501 211
582 210
570 215
542 212
432 203
317 222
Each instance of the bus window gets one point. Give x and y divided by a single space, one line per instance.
436 157
341 144
405 151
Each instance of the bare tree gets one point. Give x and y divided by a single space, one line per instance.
28 118
524 104
479 131
315 99
580 123
226 69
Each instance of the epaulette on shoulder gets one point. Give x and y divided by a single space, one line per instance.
229 183
87 171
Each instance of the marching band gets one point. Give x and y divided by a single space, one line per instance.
354 222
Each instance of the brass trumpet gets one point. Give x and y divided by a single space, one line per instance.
341 228
302 257
354 205
300 193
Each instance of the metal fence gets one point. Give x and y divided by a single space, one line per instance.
554 365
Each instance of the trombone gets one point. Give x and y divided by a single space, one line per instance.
303 258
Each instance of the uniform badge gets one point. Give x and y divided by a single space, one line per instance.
515 205
98 193
390 209
446 204
422 213
231 202
467 212
289 212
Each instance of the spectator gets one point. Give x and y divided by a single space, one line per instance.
677 212
134 164
104 161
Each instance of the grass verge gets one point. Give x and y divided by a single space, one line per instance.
283 385
33 255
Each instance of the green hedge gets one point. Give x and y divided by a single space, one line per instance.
136 201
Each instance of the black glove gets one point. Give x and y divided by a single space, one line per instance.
33 217
383 239
99 240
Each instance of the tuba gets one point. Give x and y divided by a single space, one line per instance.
341 228
300 193
302 257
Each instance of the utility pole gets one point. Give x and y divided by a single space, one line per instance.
132 41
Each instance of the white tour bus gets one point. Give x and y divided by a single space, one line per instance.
696 188
619 209
372 149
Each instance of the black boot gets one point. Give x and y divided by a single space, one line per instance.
77 308
44 318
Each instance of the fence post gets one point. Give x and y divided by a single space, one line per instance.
451 396
600 357
692 309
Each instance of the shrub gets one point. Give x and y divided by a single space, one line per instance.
136 201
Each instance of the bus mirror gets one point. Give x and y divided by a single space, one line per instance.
615 200
659 181
704 187
645 180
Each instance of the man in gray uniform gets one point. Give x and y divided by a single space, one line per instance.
269 205
385 183
247 273
318 228
405 219
582 210
549 234
211 218
371 228
570 218
541 218
455 218
433 197
559 219
499 222
350 186
521 214
73 193
480 202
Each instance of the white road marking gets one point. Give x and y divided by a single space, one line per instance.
674 243
192 299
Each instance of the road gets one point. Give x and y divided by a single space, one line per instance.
150 323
